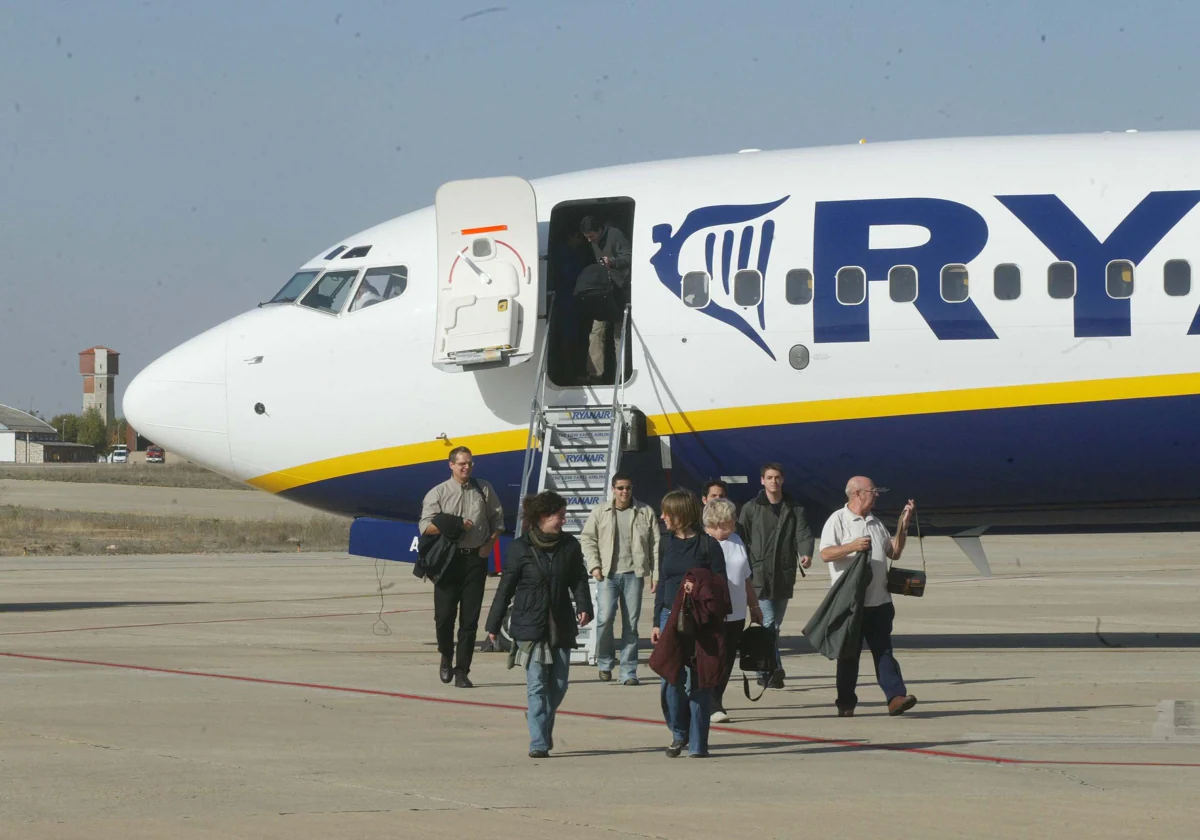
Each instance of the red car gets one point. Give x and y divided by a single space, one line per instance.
155 455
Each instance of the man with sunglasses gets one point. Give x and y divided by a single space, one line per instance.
620 546
847 532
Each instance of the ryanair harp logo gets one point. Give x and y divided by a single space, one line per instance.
716 252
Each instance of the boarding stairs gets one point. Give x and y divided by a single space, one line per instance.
580 446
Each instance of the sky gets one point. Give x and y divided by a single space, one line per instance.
166 165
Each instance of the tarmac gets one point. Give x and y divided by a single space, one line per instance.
296 696
159 501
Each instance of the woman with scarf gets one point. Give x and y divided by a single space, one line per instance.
543 570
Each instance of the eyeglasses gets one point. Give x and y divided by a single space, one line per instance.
877 491
625 488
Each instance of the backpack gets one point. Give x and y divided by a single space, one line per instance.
756 653
597 295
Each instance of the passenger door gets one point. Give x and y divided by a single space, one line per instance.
487 249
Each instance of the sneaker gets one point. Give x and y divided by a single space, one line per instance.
901 704
605 676
539 754
632 681
676 748
719 716
461 681
776 680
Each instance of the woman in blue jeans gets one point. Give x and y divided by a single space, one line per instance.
686 707
543 570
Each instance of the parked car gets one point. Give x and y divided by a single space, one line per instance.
155 455
120 455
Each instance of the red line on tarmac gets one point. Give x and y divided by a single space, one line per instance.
478 704
208 621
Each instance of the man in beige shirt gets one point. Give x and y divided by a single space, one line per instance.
459 589
620 547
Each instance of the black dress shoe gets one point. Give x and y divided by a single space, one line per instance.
447 670
461 681
776 680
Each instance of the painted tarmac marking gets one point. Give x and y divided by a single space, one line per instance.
478 704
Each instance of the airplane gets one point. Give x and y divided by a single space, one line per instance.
1004 329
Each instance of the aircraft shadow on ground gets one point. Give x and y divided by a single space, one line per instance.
60 606
921 711
1036 641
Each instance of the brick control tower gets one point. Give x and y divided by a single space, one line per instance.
100 367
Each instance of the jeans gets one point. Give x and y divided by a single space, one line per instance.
459 590
733 638
877 633
773 610
546 686
626 588
686 708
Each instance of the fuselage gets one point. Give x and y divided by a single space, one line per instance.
1003 329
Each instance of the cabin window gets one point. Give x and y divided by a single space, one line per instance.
902 284
331 291
798 286
1118 279
295 287
955 283
1060 280
1006 281
851 285
694 289
355 253
378 285
1177 277
747 287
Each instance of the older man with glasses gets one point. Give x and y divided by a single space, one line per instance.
847 532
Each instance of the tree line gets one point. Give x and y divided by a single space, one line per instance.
90 428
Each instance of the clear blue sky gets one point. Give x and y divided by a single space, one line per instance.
166 165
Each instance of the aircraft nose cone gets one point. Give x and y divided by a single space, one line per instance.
179 401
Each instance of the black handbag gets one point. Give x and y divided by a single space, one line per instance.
685 622
908 581
756 653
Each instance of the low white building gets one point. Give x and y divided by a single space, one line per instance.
24 438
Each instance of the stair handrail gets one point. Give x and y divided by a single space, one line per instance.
618 419
536 414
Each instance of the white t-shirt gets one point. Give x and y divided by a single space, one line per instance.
846 526
737 572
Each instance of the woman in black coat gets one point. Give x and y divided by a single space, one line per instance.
543 570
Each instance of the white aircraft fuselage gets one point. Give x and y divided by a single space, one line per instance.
1044 375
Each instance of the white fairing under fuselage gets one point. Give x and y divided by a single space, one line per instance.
1044 375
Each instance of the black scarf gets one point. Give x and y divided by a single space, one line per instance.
546 542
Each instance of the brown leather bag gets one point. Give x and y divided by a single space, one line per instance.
909 581
685 622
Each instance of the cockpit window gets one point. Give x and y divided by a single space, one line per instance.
380 284
293 288
330 292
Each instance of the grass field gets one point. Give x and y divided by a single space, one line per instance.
28 531
148 475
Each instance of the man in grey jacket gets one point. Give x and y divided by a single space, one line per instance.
612 250
779 540
620 547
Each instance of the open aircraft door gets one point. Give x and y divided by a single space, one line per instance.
487 305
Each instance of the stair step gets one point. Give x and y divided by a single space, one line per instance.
581 436
575 479
583 502
583 415
582 457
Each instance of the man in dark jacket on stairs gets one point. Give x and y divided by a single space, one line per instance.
778 540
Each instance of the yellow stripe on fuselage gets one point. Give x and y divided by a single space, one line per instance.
743 417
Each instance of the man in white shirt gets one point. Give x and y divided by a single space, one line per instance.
847 532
